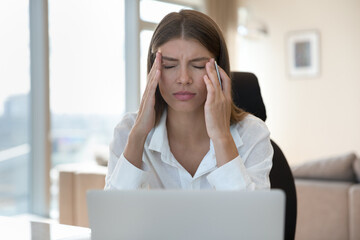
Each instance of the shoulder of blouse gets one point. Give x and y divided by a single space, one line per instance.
127 121
251 123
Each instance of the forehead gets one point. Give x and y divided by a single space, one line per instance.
178 48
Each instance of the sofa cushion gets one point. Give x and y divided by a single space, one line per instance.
337 168
323 209
356 166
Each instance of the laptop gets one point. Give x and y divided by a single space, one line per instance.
186 215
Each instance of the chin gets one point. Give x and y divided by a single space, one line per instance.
186 107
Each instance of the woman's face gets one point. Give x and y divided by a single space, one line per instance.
183 68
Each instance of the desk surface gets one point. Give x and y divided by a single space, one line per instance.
12 228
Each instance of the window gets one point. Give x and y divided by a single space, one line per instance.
151 13
145 38
154 11
14 107
86 78
87 85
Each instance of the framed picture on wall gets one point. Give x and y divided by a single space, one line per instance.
303 50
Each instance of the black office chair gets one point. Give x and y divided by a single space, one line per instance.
247 95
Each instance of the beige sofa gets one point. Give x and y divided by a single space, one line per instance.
328 200
328 192
328 210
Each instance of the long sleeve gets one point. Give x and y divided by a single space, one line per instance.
121 173
248 171
251 169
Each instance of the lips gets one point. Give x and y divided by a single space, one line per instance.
184 95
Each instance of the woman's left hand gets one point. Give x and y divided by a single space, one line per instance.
217 114
218 102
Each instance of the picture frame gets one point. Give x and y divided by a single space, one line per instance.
303 50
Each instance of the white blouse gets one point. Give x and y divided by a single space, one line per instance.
248 171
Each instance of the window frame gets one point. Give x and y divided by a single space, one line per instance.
39 195
40 131
135 38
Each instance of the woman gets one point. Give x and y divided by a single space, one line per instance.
188 134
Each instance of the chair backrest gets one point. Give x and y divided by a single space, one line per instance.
247 95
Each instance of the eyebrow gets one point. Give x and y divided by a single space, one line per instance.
199 59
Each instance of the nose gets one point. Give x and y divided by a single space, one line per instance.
184 78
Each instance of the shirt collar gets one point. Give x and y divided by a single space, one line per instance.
159 140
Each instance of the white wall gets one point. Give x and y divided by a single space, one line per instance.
308 117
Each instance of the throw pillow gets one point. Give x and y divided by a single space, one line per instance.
337 168
357 168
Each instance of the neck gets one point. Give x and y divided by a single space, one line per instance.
186 128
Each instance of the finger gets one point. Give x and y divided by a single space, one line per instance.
210 89
152 85
157 69
158 60
211 72
226 82
153 77
149 93
155 82
156 66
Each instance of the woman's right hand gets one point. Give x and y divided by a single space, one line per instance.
145 119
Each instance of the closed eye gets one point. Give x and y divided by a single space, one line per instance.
169 66
199 67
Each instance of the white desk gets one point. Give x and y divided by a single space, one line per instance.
16 229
